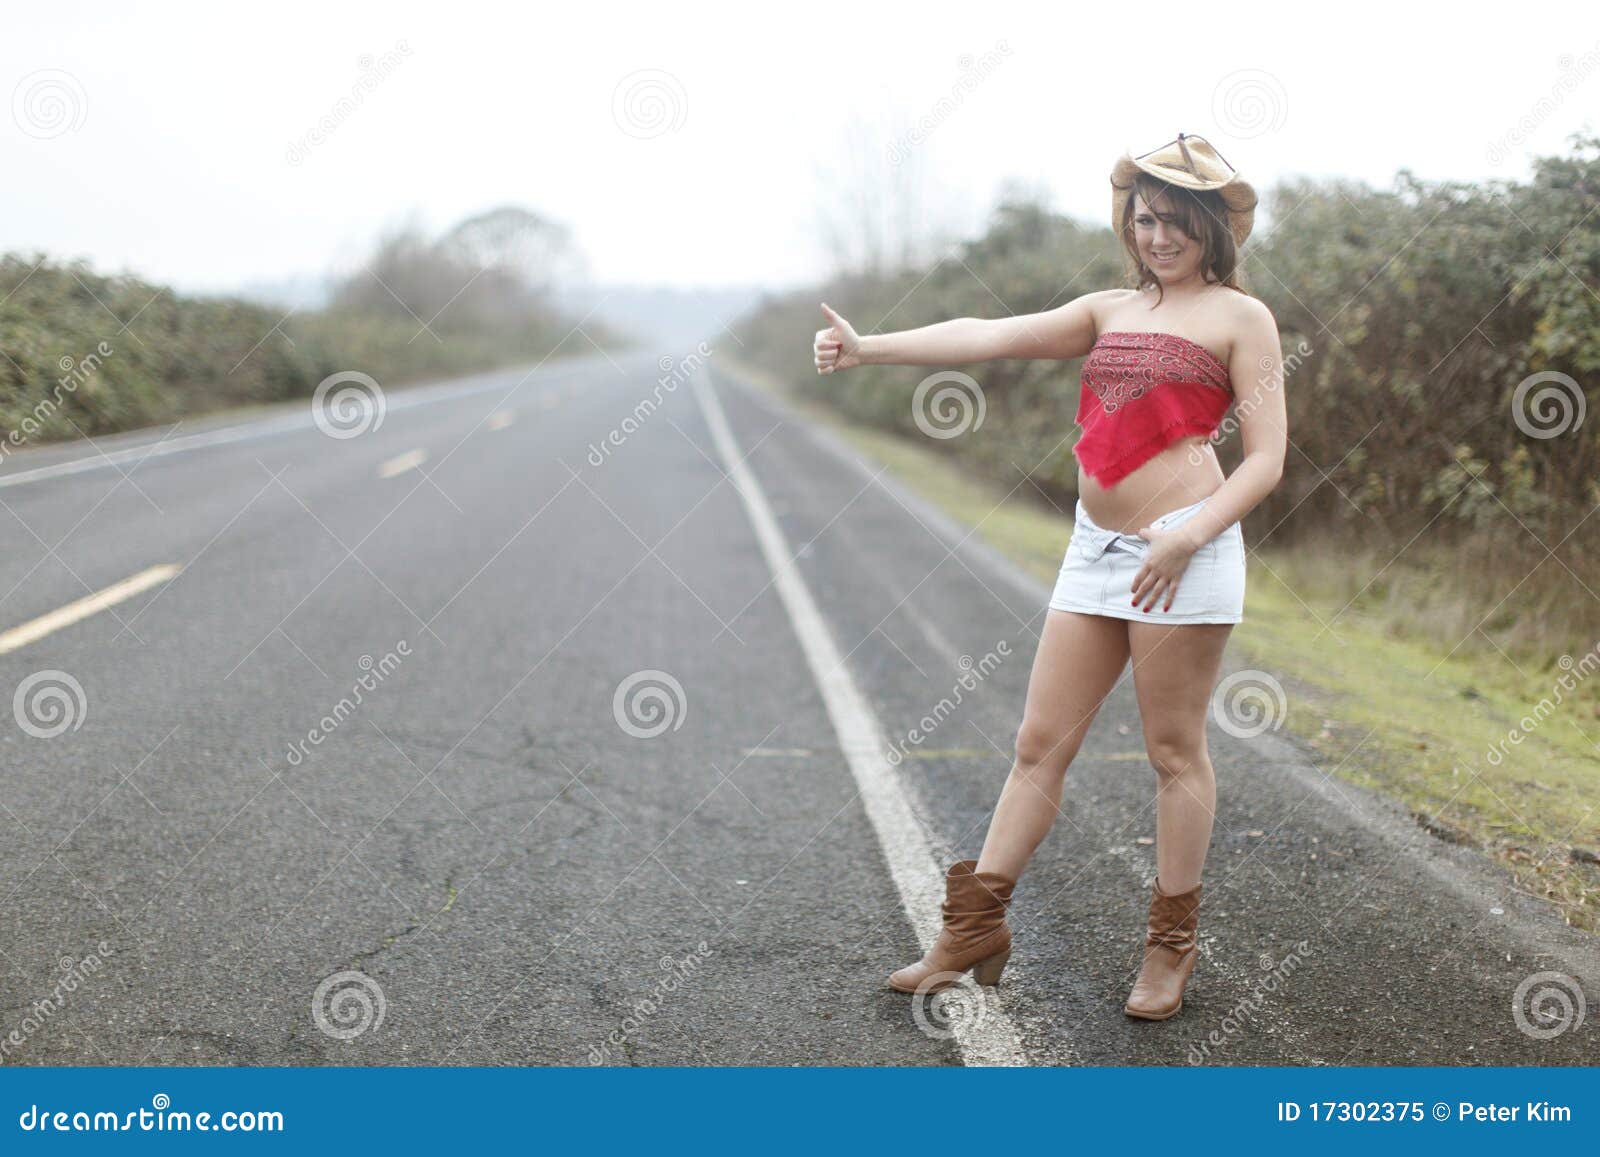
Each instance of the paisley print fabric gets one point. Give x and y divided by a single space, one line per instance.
1140 392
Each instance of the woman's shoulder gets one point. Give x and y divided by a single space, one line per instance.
1241 319
1243 310
1104 300
1104 304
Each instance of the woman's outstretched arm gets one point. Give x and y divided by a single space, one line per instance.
1067 331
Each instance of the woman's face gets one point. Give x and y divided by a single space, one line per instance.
1165 248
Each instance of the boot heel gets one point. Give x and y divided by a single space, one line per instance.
988 971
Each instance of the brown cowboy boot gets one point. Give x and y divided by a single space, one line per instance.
1172 945
975 935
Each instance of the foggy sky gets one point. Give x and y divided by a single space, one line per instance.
688 144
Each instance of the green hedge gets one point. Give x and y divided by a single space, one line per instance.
82 352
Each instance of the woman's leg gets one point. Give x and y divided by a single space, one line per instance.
1077 663
1174 672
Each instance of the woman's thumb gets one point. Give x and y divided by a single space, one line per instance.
833 318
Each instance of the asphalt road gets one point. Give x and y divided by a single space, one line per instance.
597 800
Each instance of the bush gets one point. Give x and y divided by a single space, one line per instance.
85 354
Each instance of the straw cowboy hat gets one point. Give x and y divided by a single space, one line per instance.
1190 162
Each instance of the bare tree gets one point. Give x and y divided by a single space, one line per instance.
493 269
540 252
872 205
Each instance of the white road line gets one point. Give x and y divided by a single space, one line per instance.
400 463
86 606
991 1039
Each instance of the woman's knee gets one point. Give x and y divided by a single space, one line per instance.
1175 755
1044 747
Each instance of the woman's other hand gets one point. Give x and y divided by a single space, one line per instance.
1164 563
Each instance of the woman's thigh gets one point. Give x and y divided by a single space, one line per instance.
1175 669
1077 664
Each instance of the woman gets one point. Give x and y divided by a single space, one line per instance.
1155 567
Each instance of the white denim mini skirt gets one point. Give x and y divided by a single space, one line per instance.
1097 574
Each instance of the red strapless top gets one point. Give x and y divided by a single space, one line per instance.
1140 393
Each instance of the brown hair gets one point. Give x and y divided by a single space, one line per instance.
1202 215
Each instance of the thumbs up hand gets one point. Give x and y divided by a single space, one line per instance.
837 347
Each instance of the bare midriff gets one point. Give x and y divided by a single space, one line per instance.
1179 476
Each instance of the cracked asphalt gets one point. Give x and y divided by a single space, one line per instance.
512 757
